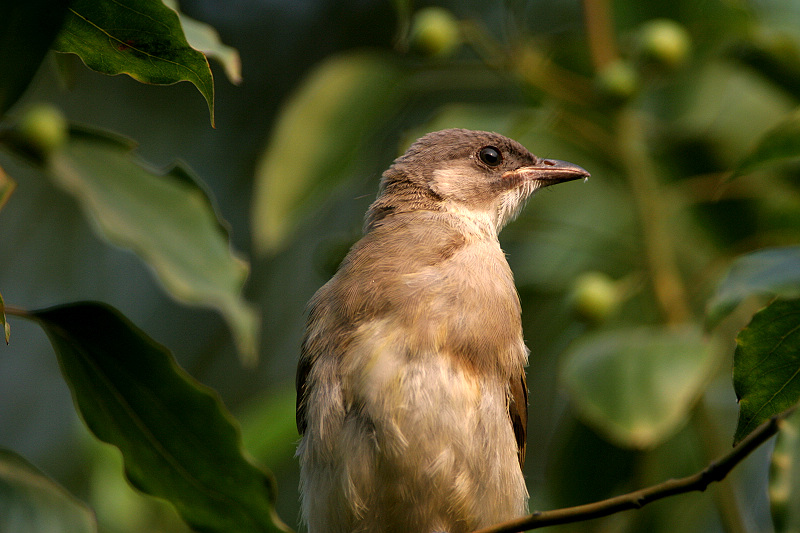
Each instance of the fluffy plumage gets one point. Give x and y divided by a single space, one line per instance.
411 388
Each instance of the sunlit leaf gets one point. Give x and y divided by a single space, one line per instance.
204 37
7 186
115 501
766 273
781 144
177 439
30 501
784 478
319 132
21 49
636 386
166 218
140 38
766 365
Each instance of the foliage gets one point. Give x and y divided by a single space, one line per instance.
177 440
765 365
634 285
142 39
32 502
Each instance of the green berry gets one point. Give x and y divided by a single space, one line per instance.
595 296
434 32
664 42
41 130
618 81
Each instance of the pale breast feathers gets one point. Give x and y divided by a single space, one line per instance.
442 290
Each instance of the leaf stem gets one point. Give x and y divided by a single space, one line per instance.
715 471
18 311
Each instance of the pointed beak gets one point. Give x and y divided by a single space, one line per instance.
549 172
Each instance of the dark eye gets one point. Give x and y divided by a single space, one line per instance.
490 155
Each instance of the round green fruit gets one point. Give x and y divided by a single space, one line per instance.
434 32
42 129
664 42
618 80
595 296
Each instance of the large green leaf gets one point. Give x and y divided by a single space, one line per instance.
636 386
177 439
140 38
166 218
784 479
30 501
26 31
781 144
317 136
768 272
766 365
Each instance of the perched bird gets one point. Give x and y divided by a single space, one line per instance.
411 393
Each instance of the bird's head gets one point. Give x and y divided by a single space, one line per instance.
472 172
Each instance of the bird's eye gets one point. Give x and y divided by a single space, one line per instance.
490 155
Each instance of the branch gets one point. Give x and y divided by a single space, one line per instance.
657 229
716 471
600 32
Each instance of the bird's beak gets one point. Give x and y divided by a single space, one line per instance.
549 172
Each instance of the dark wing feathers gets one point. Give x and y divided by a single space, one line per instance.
518 412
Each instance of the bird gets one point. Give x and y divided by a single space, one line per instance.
411 388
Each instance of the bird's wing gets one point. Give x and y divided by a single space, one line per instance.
518 412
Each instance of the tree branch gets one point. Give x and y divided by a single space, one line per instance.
716 471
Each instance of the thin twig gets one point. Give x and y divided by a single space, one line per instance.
527 62
600 32
652 204
716 471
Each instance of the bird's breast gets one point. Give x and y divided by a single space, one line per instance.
467 308
443 432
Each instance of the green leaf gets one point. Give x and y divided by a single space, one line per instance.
766 365
636 386
780 144
115 501
7 186
140 38
784 478
767 273
178 441
3 321
772 53
319 133
30 501
166 218
22 50
204 37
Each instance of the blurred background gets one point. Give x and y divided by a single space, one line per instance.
659 100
